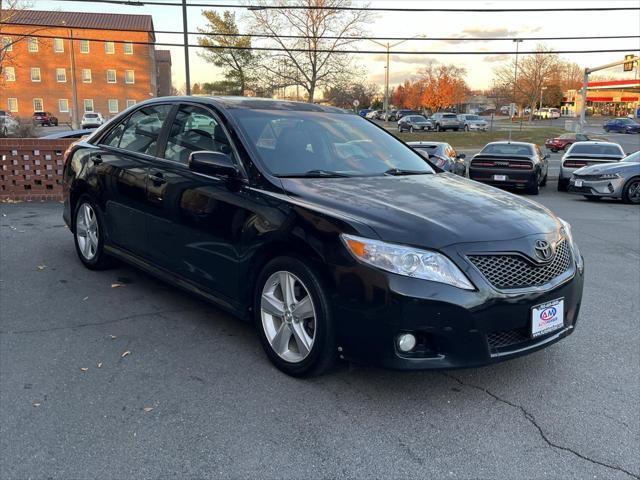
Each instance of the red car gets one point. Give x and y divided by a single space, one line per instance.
565 141
44 119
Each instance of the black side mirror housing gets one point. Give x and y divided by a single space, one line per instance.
462 155
213 163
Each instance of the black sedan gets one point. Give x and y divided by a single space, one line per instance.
335 238
511 164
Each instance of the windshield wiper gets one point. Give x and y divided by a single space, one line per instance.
400 171
315 174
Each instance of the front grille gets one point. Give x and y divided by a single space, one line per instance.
573 188
507 338
514 271
587 177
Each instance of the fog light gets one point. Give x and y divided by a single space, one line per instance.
406 342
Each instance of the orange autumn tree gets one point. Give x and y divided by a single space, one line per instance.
444 86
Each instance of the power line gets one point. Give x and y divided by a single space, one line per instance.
136 3
364 38
307 50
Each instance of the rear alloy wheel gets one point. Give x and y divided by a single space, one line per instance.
631 191
293 318
88 234
535 188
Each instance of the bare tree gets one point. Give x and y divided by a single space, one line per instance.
314 61
9 9
344 95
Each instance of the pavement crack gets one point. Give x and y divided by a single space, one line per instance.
97 324
529 416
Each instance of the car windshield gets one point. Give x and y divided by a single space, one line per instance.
507 149
596 149
417 118
627 121
297 143
634 157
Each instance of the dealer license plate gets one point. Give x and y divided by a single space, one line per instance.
547 317
578 183
500 178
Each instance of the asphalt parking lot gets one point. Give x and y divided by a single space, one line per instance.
196 396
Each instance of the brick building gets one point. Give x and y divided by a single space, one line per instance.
111 56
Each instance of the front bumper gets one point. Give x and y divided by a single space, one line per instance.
598 188
455 328
479 128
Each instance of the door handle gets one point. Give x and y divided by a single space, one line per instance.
97 159
157 178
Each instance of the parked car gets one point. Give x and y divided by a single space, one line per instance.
442 155
581 154
392 116
8 124
91 119
327 232
71 133
547 113
565 140
445 121
364 112
45 119
621 125
489 112
413 123
404 113
472 122
611 180
374 114
511 164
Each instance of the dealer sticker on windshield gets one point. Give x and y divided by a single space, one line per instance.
547 317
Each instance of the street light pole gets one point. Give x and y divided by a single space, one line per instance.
518 41
185 36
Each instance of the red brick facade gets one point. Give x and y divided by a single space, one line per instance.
31 168
128 75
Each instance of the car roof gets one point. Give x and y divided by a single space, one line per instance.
597 142
251 103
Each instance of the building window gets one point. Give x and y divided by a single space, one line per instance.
12 104
61 75
58 45
63 105
86 75
38 105
129 76
35 74
111 76
88 105
33 44
113 105
109 48
130 102
84 46
128 48
10 74
7 44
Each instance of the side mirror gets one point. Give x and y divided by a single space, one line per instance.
212 163
462 155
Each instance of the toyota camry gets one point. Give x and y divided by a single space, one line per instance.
328 233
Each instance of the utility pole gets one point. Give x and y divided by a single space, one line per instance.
185 37
515 83
74 88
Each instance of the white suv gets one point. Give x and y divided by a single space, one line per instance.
91 119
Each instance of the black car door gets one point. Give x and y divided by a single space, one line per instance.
195 221
121 162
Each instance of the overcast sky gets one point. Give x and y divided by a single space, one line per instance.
479 67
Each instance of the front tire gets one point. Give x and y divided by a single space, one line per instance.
562 184
293 318
631 192
89 235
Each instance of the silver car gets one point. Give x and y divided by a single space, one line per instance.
613 180
472 122
442 155
582 154
445 121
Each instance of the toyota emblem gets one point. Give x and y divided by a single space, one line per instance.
543 250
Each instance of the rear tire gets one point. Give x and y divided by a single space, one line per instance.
296 352
89 235
544 181
562 185
535 188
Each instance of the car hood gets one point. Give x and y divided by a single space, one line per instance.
606 168
430 211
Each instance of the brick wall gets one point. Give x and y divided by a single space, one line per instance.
31 168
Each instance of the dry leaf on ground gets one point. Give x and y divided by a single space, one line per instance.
36 404
116 285
83 369
99 365
147 409
41 267
125 354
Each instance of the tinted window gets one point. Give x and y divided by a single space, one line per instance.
596 149
290 143
508 149
473 117
449 115
141 131
634 157
194 129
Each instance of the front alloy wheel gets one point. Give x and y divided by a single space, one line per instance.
293 317
631 192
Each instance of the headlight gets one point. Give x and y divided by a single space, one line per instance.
574 246
608 176
407 261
